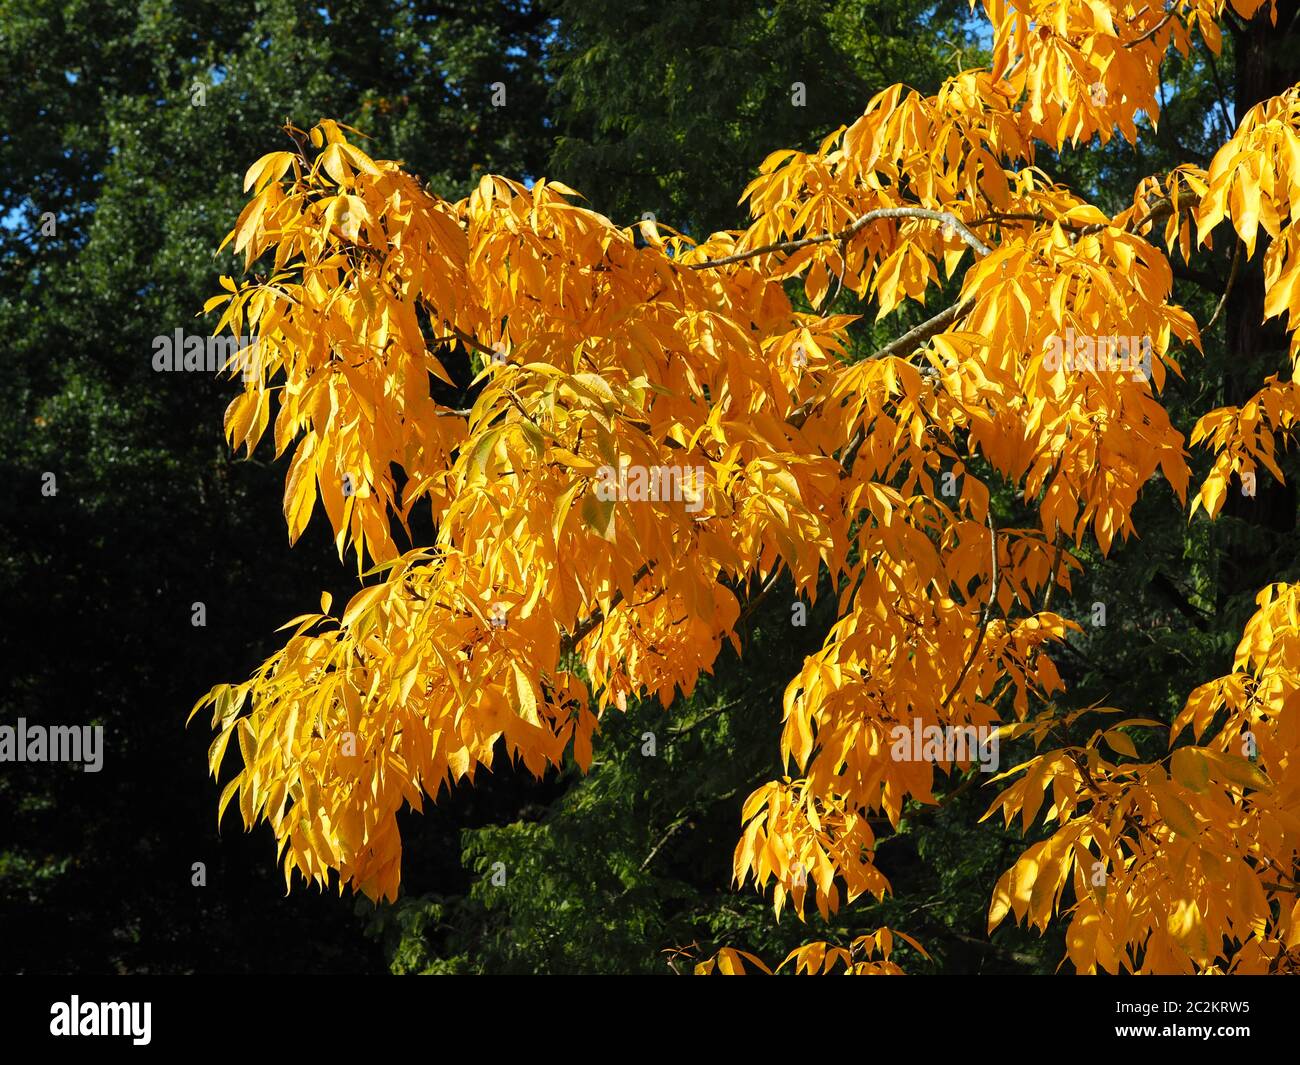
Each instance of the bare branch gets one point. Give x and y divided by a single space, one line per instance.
1151 32
597 616
923 332
1227 291
947 218
986 612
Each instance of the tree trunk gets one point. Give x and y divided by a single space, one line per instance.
1267 64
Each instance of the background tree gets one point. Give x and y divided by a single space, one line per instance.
99 129
623 122
105 130
1171 621
132 125
588 348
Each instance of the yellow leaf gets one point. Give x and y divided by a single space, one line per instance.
523 700
1240 771
1176 813
363 601
599 516
1189 767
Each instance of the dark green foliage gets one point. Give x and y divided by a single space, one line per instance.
152 513
659 107
670 108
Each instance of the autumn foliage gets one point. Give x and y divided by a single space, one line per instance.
539 604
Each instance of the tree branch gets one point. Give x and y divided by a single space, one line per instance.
948 219
1227 290
986 612
1151 32
597 616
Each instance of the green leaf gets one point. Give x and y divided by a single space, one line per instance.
1189 767
599 516
1176 813
1240 771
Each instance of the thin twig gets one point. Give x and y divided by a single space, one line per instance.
756 600
1151 32
597 616
946 217
467 340
1024 216
986 611
1162 208
1051 575
676 732
1229 125
1232 276
923 332
917 335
